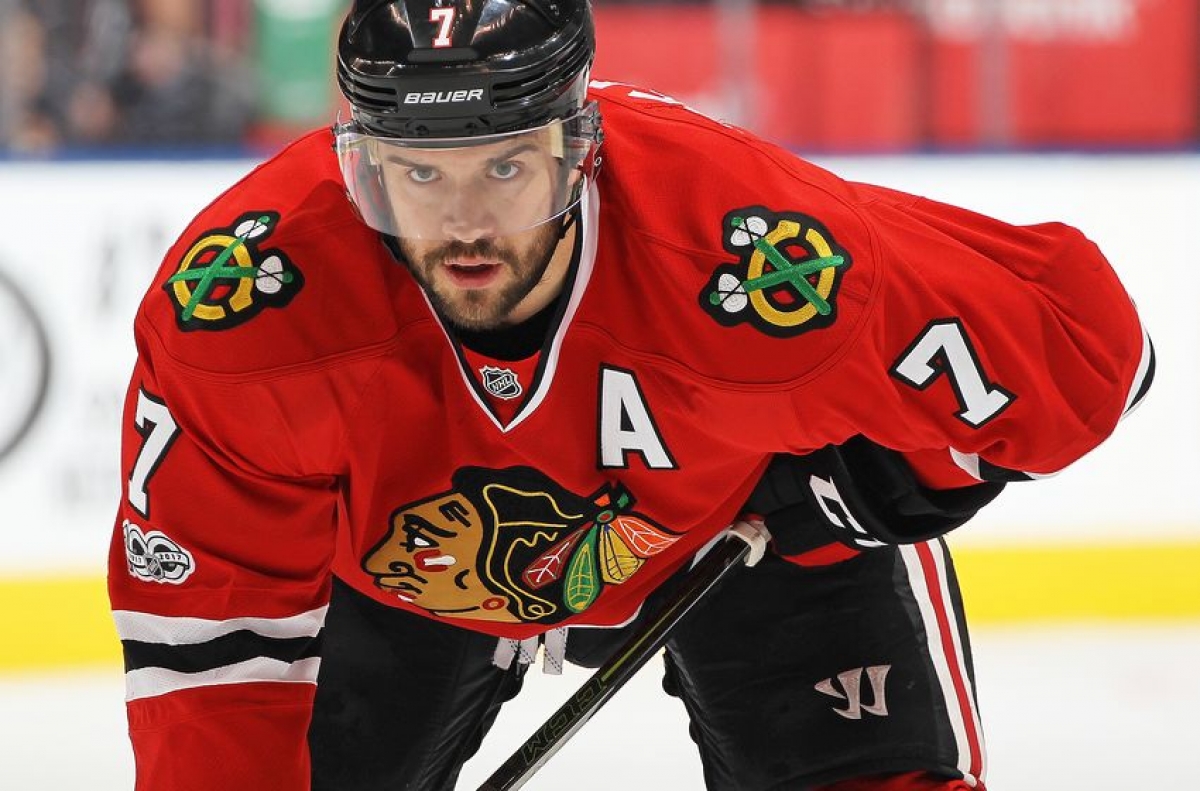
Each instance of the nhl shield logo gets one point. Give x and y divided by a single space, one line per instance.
501 382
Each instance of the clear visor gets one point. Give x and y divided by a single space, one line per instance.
469 188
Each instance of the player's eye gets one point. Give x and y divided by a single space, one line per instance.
422 175
506 170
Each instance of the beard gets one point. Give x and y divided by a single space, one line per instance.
525 256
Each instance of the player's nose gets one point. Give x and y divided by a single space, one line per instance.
467 217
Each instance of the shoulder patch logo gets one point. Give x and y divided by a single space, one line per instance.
152 557
787 275
227 277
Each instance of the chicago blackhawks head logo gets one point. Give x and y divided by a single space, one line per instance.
787 277
512 545
226 278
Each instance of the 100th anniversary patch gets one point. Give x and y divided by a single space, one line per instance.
153 557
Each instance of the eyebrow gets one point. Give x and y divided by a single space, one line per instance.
519 148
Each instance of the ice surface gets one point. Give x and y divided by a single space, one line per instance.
1065 707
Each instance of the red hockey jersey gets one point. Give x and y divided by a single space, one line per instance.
298 410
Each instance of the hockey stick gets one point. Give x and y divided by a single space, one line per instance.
745 541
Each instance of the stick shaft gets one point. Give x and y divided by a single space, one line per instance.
624 663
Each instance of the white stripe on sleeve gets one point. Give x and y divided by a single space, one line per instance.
1139 379
167 630
149 682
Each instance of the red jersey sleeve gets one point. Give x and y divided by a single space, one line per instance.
234 464
978 349
990 351
218 581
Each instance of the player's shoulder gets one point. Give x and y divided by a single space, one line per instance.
276 272
678 135
766 247
676 168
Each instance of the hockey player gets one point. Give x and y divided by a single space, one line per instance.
498 354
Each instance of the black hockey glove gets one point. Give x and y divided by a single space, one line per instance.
834 503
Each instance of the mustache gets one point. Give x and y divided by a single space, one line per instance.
480 248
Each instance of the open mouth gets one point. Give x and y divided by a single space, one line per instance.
472 274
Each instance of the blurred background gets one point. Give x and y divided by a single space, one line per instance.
120 119
109 76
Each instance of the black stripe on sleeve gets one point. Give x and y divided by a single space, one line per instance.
1146 380
997 474
223 651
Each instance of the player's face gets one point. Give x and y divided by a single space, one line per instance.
478 219
489 283
450 207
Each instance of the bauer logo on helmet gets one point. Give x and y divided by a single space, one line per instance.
443 97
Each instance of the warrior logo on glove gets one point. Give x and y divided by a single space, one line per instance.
225 278
511 545
787 277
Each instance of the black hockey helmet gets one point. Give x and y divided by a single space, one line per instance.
461 68
466 113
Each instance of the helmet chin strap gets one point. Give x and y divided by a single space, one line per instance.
570 218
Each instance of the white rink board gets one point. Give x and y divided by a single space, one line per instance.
82 240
